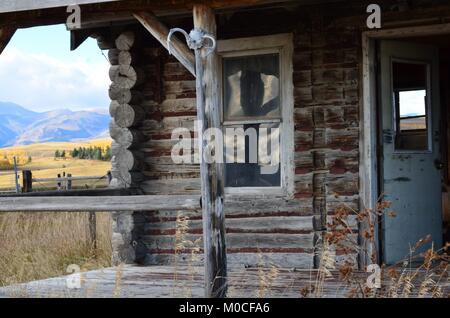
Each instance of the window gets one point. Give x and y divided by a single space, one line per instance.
410 87
257 114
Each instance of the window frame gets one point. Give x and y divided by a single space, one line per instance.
281 44
395 116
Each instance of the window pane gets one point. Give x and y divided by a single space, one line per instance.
251 87
252 155
414 123
412 103
410 92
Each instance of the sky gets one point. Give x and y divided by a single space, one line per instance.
38 71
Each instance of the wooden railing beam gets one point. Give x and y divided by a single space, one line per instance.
99 204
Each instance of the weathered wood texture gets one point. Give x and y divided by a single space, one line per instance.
186 281
126 112
326 154
91 203
211 175
326 117
178 48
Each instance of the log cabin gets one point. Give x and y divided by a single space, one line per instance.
361 111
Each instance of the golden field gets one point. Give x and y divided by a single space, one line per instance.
41 245
44 165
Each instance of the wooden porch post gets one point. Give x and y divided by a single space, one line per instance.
207 71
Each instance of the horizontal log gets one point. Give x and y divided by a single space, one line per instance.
77 193
68 179
123 136
125 41
98 204
237 260
126 115
104 43
122 95
113 56
126 58
250 225
238 241
125 76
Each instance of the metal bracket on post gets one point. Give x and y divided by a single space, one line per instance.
195 40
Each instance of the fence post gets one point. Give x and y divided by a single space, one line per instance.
16 176
93 229
58 183
27 181
69 181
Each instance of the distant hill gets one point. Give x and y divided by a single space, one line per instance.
20 126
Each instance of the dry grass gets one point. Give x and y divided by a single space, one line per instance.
41 245
420 274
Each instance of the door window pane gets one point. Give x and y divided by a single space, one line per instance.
410 82
251 87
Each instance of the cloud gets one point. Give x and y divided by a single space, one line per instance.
41 82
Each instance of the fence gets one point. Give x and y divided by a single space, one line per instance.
62 182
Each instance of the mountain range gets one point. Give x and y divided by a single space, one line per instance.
20 126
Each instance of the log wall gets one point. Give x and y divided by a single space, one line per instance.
276 230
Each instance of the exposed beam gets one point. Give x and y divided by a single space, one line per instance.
77 37
122 9
23 5
6 33
180 50
212 177
99 204
27 5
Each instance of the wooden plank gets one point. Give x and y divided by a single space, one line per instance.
212 175
23 5
160 32
78 193
63 179
278 224
240 242
99 204
6 33
186 281
238 260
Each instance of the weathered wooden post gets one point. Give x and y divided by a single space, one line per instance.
27 181
93 229
69 182
16 175
58 183
208 115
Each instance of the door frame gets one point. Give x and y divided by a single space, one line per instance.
368 140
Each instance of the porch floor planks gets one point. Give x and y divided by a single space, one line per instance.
180 281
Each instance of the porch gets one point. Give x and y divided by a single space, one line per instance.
132 281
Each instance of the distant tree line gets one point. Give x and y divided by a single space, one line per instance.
92 153
60 154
